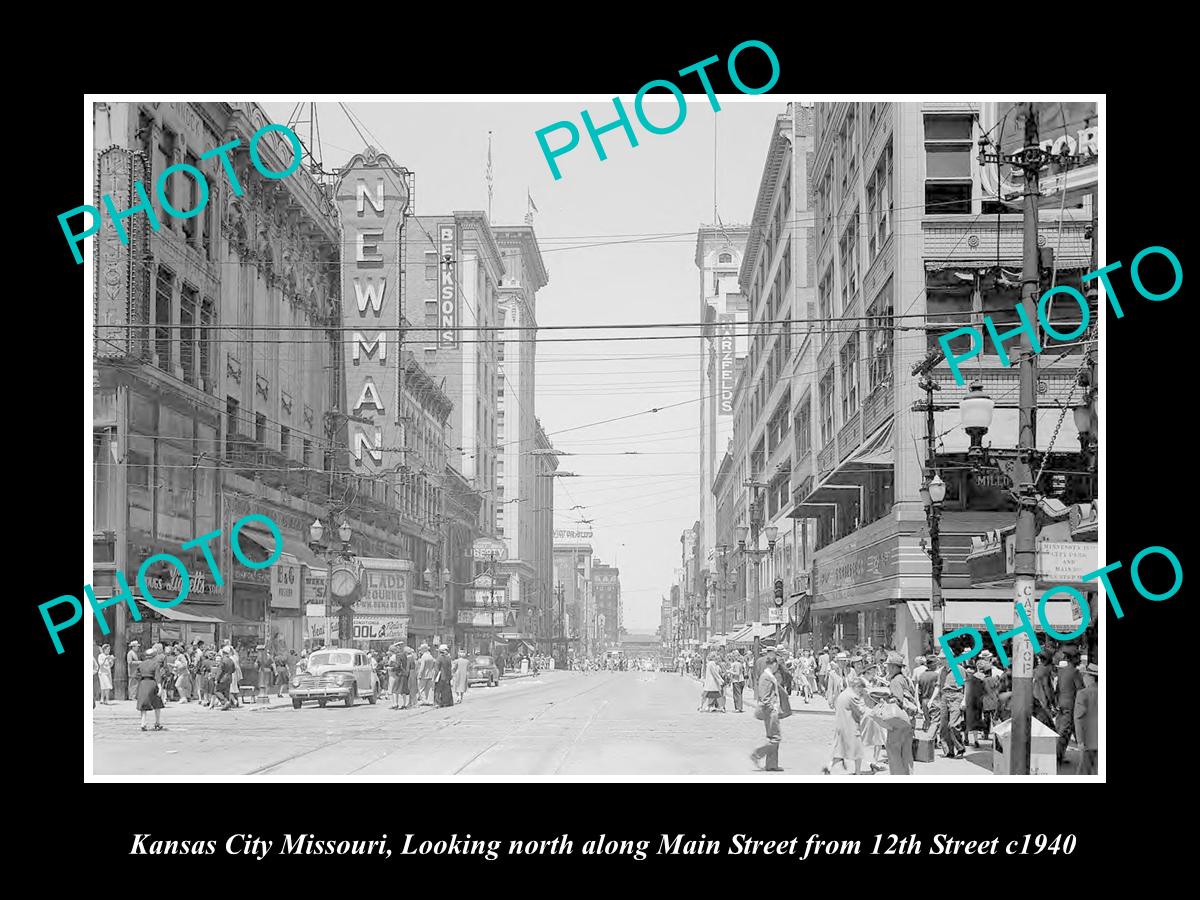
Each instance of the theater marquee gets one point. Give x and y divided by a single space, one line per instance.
372 196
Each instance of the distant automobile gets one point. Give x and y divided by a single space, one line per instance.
336 674
483 670
666 664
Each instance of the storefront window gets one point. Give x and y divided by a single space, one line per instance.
206 481
140 481
174 500
102 478
143 415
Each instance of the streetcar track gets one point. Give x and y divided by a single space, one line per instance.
374 734
526 724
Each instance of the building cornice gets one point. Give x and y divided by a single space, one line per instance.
527 243
780 143
712 235
479 223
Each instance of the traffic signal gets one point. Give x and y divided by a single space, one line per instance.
779 592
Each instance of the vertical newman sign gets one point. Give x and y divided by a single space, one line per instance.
372 196
727 374
448 291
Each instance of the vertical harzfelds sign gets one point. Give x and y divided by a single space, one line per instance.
727 372
372 196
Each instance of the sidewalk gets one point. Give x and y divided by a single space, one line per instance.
817 705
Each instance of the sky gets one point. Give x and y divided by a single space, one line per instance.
646 203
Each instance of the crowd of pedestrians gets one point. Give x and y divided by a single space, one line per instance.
882 710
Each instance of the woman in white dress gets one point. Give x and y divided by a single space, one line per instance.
104 663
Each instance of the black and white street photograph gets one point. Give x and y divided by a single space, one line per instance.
733 436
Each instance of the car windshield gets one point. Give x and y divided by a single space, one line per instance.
331 659
483 660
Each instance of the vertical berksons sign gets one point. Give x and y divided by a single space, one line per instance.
725 358
447 296
372 197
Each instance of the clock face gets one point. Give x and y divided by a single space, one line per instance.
343 582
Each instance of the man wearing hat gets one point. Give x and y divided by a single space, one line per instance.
900 736
1069 684
1043 690
132 658
1087 721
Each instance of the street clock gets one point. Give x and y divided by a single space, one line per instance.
344 579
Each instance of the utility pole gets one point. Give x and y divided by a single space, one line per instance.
1026 537
1030 159
119 513
933 509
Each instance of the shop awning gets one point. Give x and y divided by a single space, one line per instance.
876 450
920 610
198 615
175 614
971 613
848 479
751 631
292 546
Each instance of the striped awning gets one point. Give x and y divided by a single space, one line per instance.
920 610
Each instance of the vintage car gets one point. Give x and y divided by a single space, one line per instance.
336 674
483 670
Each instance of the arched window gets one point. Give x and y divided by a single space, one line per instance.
725 258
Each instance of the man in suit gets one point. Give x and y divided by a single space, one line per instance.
768 699
1043 690
737 676
1069 684
1087 722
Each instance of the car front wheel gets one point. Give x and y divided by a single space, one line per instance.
350 698
373 698
296 703
321 703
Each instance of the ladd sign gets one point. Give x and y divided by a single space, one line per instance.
372 197
447 301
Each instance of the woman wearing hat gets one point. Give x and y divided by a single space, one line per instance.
900 735
148 673
443 692
104 664
410 663
835 682
460 672
848 712
183 676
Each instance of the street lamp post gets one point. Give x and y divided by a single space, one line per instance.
933 492
772 534
316 531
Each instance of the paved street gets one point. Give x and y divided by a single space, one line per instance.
566 724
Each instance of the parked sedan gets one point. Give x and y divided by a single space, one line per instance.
483 670
335 674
